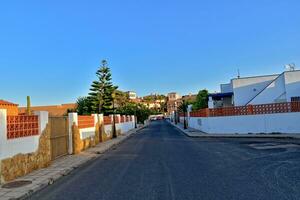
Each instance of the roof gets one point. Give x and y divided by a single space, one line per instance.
226 94
3 102
54 110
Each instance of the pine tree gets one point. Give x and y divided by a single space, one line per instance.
102 90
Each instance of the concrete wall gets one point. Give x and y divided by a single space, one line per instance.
273 93
88 135
265 123
227 87
246 88
12 147
292 84
20 156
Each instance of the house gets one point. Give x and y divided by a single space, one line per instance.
132 95
11 108
284 87
54 110
189 98
174 101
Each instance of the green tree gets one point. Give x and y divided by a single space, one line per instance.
121 98
141 111
183 107
83 106
201 100
101 91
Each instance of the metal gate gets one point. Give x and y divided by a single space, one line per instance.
59 136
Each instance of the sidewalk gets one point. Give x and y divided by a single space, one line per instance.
61 167
190 132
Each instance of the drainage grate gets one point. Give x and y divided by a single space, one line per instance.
16 184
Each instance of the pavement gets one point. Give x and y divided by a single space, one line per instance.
59 168
191 132
161 163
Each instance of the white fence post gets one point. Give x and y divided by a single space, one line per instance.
43 120
73 119
3 132
133 121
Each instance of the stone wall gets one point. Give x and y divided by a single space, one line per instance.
22 164
79 144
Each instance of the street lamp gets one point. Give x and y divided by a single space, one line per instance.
114 135
175 111
135 117
184 110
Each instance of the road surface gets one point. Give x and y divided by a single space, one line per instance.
161 163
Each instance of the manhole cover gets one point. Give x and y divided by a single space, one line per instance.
16 184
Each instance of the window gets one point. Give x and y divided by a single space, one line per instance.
295 99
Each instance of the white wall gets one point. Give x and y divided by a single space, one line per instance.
266 123
225 88
12 147
123 127
292 84
274 93
245 89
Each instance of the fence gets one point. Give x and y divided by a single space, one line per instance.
24 144
248 110
107 120
85 121
22 126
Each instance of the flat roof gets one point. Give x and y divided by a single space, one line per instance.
225 94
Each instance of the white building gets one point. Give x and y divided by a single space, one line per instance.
284 87
132 95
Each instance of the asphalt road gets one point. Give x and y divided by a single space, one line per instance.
161 163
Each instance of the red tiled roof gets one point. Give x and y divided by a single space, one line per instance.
2 102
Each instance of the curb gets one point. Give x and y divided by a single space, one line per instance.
263 136
69 170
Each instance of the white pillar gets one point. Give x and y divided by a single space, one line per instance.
210 102
43 120
101 124
95 119
189 110
100 118
3 133
118 116
73 119
133 121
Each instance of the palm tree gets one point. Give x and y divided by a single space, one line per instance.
183 109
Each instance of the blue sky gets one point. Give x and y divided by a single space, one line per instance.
50 50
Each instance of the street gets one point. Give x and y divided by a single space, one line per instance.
162 163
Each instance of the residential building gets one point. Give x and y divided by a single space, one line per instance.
132 95
173 96
189 98
174 101
54 110
284 87
11 108
153 101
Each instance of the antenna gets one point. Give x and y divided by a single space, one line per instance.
238 71
290 67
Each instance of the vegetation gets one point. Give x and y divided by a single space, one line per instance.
28 109
100 97
140 110
84 106
201 100
183 107
103 94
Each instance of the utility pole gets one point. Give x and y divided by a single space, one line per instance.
114 120
135 117
184 114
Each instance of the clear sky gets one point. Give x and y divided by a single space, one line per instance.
50 50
